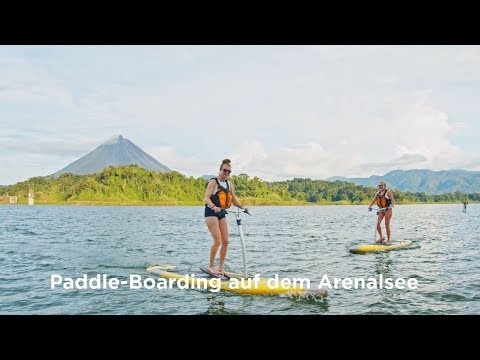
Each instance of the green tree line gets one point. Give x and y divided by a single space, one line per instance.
134 185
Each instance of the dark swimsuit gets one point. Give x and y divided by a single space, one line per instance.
210 212
216 202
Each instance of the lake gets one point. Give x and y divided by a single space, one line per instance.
307 241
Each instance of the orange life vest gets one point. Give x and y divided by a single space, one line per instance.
382 200
223 198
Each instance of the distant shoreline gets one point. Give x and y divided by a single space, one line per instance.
179 203
134 186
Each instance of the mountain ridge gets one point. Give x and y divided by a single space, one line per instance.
423 180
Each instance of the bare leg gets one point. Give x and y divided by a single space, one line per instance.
213 225
379 228
388 216
223 249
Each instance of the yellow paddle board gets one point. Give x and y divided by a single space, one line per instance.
238 284
366 248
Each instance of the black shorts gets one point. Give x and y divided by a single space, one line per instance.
210 212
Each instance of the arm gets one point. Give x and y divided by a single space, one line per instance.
373 200
390 195
208 193
235 200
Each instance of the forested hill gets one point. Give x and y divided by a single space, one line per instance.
134 185
427 181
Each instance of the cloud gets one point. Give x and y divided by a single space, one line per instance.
411 159
277 111
406 161
48 147
472 165
23 82
187 165
413 134
300 160
15 169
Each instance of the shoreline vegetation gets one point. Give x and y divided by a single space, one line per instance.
135 186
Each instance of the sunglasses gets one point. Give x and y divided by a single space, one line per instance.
380 185
227 171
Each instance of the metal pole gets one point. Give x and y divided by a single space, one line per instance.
244 253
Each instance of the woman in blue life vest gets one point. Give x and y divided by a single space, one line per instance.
385 201
220 195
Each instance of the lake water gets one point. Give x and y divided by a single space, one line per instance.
308 242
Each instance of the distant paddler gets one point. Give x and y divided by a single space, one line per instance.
385 201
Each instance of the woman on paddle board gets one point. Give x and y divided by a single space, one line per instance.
220 195
384 199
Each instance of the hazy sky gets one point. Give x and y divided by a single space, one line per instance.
277 111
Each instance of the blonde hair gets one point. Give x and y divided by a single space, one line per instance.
225 161
383 183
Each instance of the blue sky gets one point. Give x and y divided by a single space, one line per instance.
277 111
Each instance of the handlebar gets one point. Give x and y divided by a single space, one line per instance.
236 212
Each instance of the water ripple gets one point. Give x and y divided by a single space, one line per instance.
307 242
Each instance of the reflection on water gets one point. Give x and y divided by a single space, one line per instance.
215 306
383 264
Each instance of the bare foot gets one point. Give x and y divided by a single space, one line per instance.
213 271
224 273
388 243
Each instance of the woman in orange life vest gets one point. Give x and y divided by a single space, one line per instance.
220 195
385 201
